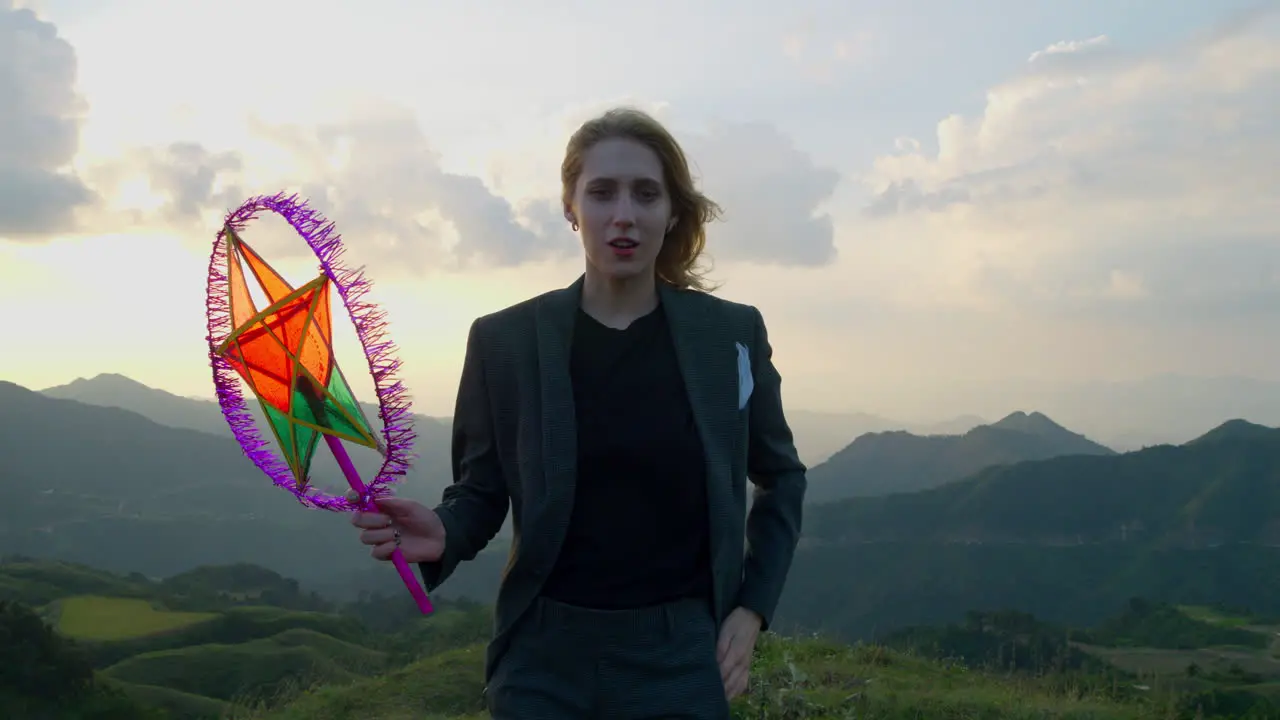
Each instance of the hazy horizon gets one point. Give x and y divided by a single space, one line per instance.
940 211
940 415
1122 416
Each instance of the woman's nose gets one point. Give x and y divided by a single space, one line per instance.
624 212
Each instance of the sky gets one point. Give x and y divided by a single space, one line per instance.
920 195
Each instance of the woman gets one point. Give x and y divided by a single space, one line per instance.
618 418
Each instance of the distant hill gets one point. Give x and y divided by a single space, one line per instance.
1162 409
820 434
66 458
425 480
111 488
1221 488
1233 431
119 391
899 461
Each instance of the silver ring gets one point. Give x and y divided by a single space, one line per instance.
396 534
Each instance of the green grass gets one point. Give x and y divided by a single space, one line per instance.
237 625
177 703
348 656
266 620
442 686
1214 617
819 679
1158 661
98 618
1155 663
792 678
228 672
256 669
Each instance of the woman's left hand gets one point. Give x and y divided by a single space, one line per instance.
734 650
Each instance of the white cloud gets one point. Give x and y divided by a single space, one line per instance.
182 187
380 179
1068 46
772 195
1098 176
40 115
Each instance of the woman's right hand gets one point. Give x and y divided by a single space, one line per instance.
421 532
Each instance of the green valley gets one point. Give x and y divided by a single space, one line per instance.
241 660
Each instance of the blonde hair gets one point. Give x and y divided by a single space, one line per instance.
678 261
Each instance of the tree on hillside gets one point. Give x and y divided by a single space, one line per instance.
35 661
211 587
44 675
1006 640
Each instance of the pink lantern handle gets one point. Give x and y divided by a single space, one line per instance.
397 558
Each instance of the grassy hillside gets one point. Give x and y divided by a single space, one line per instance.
999 665
237 625
792 678
1190 659
174 704
37 582
1156 625
224 672
93 617
197 661
378 659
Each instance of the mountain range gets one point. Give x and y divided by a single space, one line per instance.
1165 409
818 434
109 487
1121 414
1223 487
899 461
1062 538
425 480
1068 537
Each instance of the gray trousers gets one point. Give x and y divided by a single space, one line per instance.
566 662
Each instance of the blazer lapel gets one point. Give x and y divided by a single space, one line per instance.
708 363
555 319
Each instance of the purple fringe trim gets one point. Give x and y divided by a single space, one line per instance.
370 322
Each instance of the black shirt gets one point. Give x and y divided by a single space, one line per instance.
639 533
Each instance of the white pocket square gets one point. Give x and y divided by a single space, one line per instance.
745 383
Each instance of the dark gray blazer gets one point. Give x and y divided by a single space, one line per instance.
515 444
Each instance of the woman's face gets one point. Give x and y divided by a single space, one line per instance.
622 208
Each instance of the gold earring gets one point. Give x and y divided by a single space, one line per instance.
574 225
